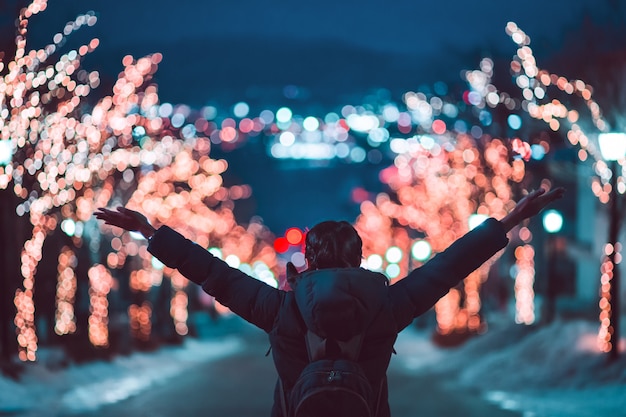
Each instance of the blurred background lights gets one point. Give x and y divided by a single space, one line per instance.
358 154
391 113
342 150
311 124
362 123
287 139
233 261
552 221
6 152
281 245
612 146
283 115
217 252
378 135
178 120
298 259
267 277
476 220
514 121
156 264
294 236
537 152
331 118
209 112
439 127
374 262
136 235
68 226
421 250
394 254
267 116
165 110
241 109
392 270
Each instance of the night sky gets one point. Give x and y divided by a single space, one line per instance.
227 51
334 52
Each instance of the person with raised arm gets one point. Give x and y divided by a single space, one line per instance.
334 298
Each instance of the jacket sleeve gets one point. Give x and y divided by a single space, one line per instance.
249 298
424 286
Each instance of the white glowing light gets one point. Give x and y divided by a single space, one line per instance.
268 277
68 226
233 261
427 141
362 122
136 235
398 145
394 254
374 262
311 124
287 139
6 152
476 220
421 250
552 221
612 146
217 252
156 264
283 115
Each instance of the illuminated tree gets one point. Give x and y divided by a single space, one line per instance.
37 103
189 195
436 187
555 99
64 160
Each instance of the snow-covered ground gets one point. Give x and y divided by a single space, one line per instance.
552 371
89 386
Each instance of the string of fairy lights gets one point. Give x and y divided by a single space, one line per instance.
64 163
132 150
535 82
65 319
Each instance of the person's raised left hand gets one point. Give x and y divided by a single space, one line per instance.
126 219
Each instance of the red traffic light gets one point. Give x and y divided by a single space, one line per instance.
281 245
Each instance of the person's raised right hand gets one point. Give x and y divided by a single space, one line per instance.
531 205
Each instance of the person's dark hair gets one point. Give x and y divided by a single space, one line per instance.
333 244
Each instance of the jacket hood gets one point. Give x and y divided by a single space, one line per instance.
340 303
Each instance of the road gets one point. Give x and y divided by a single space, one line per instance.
241 385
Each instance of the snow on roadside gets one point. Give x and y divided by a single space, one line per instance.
88 386
551 371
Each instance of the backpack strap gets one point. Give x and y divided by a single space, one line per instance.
316 346
282 393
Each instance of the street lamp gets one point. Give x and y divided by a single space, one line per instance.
552 223
613 148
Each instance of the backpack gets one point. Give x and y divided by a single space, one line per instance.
331 387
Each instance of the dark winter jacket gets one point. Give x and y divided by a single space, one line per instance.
333 303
